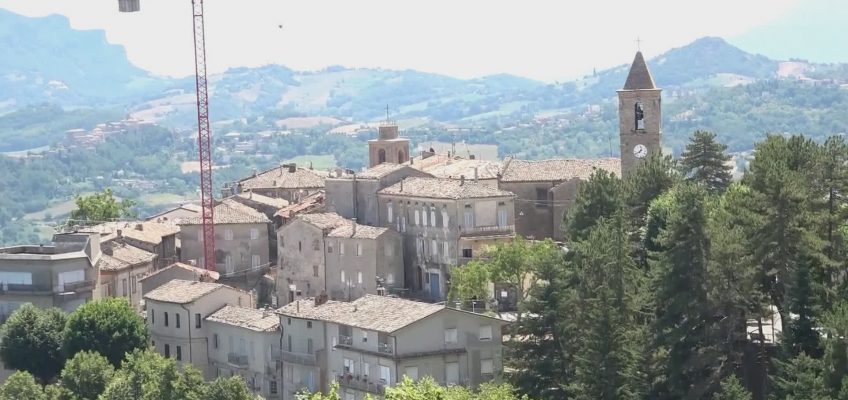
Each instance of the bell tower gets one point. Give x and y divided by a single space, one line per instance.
388 147
640 116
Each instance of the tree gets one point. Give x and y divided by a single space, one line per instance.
654 177
100 207
515 262
600 196
731 389
110 327
146 375
232 388
684 321
21 386
469 282
800 378
705 162
32 341
86 375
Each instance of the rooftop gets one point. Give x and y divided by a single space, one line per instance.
198 272
639 77
453 169
307 204
249 318
284 177
444 189
556 169
150 232
181 291
229 211
265 200
362 231
117 256
378 171
325 221
377 313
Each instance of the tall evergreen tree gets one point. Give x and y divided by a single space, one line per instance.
684 326
599 197
654 177
704 161
800 335
731 389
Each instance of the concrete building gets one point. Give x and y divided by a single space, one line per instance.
121 268
444 222
640 116
63 275
374 341
546 189
176 271
176 314
241 240
286 182
246 342
388 147
355 196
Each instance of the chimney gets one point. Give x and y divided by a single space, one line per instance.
120 233
292 168
471 157
401 186
310 165
461 180
254 172
139 227
353 227
475 174
297 306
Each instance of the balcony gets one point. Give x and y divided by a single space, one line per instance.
385 348
362 384
25 288
496 230
239 360
299 358
76 287
345 341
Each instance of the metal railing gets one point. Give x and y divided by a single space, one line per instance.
385 348
363 384
237 359
487 230
299 358
345 340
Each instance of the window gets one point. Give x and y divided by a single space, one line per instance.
299 246
445 218
228 234
348 366
433 216
385 375
167 350
215 341
450 335
152 316
254 234
200 235
134 283
315 271
366 369
467 253
177 321
166 319
329 248
485 332
289 343
359 249
424 216
316 245
309 346
197 321
282 241
446 249
124 290
289 373
343 276
390 278
288 320
434 247
417 217
469 216
228 263
487 366
254 260
64 278
502 217
364 336
359 278
541 197
403 224
639 115
341 248
308 324
272 387
412 373
389 212
451 373
179 353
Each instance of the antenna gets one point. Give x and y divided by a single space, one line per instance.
387 113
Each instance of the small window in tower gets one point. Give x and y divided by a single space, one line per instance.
640 116
381 156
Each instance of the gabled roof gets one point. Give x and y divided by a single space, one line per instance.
150 232
362 231
117 256
199 272
283 177
435 188
378 171
229 211
453 169
324 221
639 77
557 169
248 318
180 291
264 200
310 203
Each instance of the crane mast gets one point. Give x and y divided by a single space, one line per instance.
204 138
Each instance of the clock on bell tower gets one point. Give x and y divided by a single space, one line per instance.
640 116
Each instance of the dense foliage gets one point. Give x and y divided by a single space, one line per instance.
109 327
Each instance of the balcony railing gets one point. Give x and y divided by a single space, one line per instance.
76 286
361 383
385 348
487 230
24 288
299 358
239 360
345 340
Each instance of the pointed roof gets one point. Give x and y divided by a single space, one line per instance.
639 77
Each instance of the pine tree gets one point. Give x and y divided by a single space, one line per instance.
732 389
654 177
599 197
800 378
800 335
684 323
704 161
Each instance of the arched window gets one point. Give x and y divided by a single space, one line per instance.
639 113
381 156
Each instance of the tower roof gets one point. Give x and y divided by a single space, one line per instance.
639 77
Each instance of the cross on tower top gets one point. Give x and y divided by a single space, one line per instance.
638 44
387 113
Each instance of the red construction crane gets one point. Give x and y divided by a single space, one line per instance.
204 134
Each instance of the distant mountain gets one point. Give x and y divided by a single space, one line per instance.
44 59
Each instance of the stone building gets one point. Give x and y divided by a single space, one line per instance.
355 195
302 251
373 342
176 319
444 222
121 268
241 240
545 189
63 275
176 271
288 182
640 116
482 171
388 147
155 236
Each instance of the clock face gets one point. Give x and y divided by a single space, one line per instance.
640 151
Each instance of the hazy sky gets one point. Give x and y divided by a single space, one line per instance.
546 40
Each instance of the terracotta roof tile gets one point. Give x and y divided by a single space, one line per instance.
453 169
362 231
117 256
229 211
182 292
324 220
556 170
377 313
248 318
280 177
443 189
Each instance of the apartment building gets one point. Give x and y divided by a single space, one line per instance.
374 341
63 275
444 222
241 240
121 268
246 342
176 319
